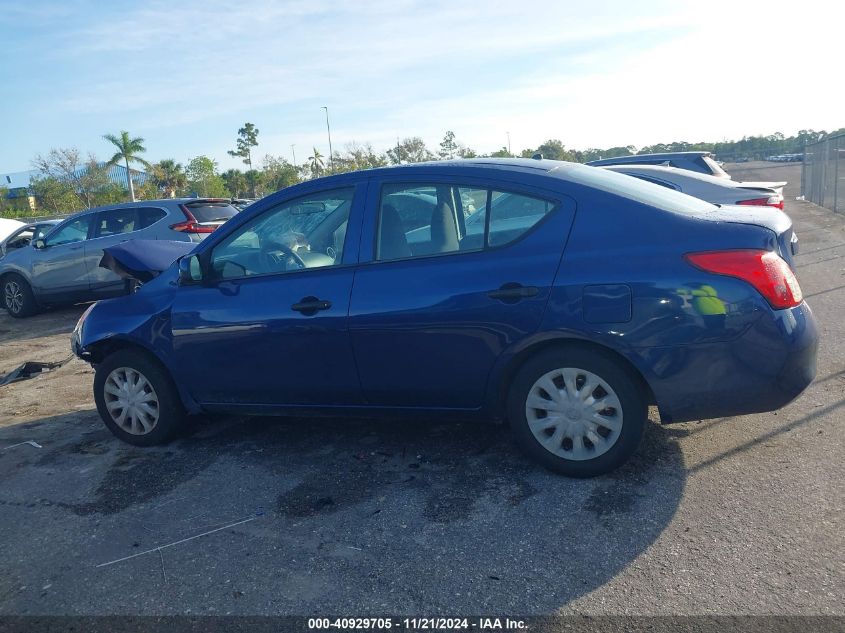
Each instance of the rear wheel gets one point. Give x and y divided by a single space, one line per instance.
18 296
136 398
576 411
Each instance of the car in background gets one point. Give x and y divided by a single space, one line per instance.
9 226
242 203
701 162
583 297
710 188
63 266
26 234
785 158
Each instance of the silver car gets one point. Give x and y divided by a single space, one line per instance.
64 265
709 188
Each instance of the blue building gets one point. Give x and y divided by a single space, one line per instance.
20 196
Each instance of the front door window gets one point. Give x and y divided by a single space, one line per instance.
74 231
308 232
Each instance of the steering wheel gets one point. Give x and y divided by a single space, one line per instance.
270 254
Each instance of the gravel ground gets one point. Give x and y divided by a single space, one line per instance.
361 517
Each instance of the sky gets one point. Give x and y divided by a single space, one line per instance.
186 74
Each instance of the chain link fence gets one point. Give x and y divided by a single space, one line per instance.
823 173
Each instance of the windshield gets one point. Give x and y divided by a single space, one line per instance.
634 189
41 230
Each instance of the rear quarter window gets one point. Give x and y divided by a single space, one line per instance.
635 189
149 216
712 167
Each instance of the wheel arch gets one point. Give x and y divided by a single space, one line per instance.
20 273
97 351
499 387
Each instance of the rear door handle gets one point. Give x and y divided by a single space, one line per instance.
512 292
311 305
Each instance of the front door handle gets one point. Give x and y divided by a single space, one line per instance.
512 292
310 306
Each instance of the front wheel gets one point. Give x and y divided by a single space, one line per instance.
18 297
136 398
576 411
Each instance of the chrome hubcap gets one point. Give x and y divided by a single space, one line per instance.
14 296
131 401
574 414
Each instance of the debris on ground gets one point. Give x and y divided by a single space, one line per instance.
32 443
30 369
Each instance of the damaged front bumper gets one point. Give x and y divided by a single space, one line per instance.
76 337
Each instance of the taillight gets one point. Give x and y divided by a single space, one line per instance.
771 201
190 225
765 270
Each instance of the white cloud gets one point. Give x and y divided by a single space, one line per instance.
594 74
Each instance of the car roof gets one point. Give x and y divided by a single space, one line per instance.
146 203
456 166
459 167
527 171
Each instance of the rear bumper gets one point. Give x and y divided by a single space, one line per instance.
763 370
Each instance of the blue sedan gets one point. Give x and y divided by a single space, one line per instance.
562 298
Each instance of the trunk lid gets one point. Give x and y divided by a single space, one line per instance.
776 221
777 187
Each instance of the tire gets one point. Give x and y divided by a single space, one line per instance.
154 413
18 297
616 429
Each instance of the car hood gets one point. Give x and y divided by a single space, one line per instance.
8 226
143 259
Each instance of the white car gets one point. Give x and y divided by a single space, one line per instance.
7 227
709 188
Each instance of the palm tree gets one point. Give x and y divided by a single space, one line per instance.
169 176
316 162
127 150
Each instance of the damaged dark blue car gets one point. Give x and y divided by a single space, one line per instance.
562 298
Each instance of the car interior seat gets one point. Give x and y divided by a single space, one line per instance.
113 226
392 243
444 230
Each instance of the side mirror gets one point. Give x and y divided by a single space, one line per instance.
39 244
190 271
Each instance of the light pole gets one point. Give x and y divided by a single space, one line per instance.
293 151
329 130
509 142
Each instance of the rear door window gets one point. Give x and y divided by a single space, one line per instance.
116 222
421 220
